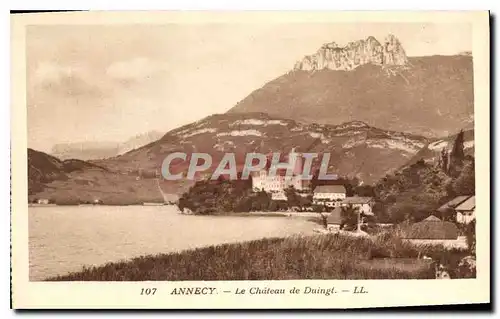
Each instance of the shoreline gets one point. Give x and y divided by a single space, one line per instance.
261 214
390 262
150 231
228 232
181 251
233 214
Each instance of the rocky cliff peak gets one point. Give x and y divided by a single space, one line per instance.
332 56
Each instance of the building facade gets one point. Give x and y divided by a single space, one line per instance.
466 212
334 220
276 184
329 195
364 204
464 206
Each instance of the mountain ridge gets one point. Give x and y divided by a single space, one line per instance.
430 96
259 132
357 150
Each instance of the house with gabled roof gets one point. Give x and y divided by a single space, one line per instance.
431 230
452 203
432 218
334 219
329 195
364 204
464 206
466 211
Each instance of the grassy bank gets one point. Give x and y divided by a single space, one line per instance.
311 257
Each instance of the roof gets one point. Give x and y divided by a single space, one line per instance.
335 216
330 189
469 204
279 172
357 200
432 218
431 230
452 203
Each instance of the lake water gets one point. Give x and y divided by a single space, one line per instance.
66 238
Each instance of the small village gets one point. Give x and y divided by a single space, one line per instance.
333 199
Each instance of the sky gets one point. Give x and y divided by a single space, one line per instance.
109 83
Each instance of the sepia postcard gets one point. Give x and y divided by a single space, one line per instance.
250 160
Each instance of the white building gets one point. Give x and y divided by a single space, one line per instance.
278 196
277 183
329 195
364 204
464 206
466 212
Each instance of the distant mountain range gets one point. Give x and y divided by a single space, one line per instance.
357 150
100 150
375 83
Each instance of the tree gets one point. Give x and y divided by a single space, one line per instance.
380 212
470 233
309 200
465 183
260 201
350 217
244 205
444 160
407 209
449 215
207 196
292 197
457 151
273 206
457 155
365 190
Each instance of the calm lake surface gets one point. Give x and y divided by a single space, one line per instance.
63 239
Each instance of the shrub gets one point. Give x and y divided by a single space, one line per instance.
331 256
466 268
470 233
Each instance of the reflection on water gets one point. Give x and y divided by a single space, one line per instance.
65 238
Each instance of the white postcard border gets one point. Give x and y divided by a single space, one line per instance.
382 293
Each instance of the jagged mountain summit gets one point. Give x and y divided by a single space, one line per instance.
374 82
331 56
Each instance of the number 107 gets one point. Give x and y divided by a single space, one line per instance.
148 291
